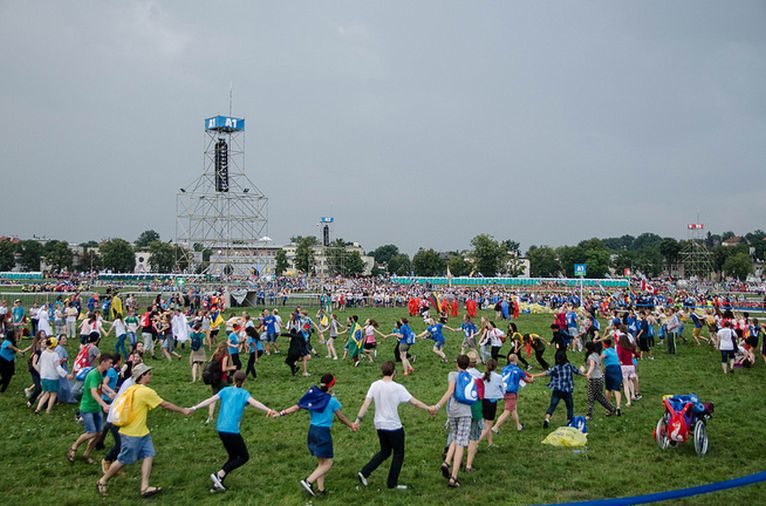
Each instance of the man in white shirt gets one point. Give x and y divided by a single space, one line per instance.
387 395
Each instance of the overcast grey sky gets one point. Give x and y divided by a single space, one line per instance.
418 123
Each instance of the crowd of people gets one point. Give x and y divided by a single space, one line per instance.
111 387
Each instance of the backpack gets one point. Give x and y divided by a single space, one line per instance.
196 341
146 320
512 378
212 373
579 423
466 391
122 408
81 360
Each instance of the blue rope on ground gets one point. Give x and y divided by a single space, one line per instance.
676 494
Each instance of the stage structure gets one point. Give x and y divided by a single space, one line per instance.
696 258
222 217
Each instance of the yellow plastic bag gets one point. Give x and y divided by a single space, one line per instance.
566 437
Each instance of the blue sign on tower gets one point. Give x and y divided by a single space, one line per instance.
225 124
580 269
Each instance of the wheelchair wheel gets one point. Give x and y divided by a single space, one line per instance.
661 434
701 443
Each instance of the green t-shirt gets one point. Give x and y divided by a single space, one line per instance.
88 404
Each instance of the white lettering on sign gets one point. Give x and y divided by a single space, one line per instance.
211 123
231 122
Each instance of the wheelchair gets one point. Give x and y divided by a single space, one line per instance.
684 415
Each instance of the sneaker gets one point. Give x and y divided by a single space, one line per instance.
619 412
28 392
546 423
306 374
308 487
217 483
638 397
399 487
361 478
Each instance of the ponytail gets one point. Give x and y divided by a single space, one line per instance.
491 366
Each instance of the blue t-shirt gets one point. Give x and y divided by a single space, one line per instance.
7 352
18 313
269 322
324 418
233 342
252 344
469 328
233 403
436 332
408 337
571 318
610 357
112 375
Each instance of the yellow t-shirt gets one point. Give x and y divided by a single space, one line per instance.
144 400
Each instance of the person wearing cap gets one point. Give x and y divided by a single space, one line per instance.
234 400
50 368
387 395
135 439
322 407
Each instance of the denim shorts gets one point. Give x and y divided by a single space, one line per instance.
135 448
93 422
320 442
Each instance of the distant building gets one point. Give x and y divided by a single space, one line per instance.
322 260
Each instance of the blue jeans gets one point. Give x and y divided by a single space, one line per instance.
558 395
121 345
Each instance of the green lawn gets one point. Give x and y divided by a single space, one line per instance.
621 457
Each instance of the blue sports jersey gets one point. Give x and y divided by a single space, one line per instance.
436 332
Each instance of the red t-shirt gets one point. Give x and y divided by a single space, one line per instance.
625 355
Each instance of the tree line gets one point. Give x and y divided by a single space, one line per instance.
647 253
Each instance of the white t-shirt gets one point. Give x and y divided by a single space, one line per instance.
387 396
726 339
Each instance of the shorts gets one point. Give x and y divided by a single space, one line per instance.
510 399
320 442
643 344
214 332
469 342
370 346
93 422
613 378
403 348
477 426
628 372
727 355
271 337
135 448
488 409
438 345
460 429
51 386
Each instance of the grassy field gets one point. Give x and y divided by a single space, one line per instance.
621 457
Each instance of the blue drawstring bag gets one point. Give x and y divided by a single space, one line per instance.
579 423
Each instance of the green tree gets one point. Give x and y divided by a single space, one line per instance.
624 259
117 255
353 264
458 266
304 253
163 256
281 263
738 265
598 262
427 262
646 240
90 260
58 255
619 243
512 247
31 252
7 254
543 262
489 256
382 254
670 249
649 261
146 238
570 255
399 265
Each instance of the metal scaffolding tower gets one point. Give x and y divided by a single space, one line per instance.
222 213
696 258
